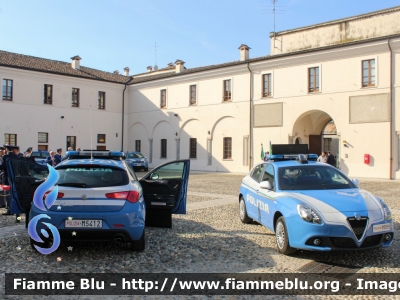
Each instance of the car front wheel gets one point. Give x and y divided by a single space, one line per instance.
243 212
282 238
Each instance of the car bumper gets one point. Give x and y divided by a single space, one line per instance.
143 165
126 224
337 237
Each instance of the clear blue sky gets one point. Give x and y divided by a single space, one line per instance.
112 34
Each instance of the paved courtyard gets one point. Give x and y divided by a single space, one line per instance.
209 239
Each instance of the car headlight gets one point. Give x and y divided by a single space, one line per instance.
307 214
387 214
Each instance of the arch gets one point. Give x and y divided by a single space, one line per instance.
216 123
329 128
184 124
158 123
316 119
139 123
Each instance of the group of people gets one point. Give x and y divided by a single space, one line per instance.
328 158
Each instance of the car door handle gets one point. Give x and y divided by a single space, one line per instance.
39 180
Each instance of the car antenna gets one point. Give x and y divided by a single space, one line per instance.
91 136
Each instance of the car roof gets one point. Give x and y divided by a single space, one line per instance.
102 162
291 163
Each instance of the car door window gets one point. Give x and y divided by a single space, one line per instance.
269 175
23 168
256 174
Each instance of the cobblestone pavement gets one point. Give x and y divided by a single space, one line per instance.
209 238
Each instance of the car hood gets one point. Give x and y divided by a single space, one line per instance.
345 202
135 159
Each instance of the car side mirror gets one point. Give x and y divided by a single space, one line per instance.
356 182
154 176
265 185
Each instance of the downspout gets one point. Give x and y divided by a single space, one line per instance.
123 114
391 112
251 119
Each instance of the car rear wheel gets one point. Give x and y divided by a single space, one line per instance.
139 245
243 212
282 238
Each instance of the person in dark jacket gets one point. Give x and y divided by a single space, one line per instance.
12 154
58 157
331 159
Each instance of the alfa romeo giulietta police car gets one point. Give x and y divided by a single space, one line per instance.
313 206
99 197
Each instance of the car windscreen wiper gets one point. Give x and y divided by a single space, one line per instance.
76 184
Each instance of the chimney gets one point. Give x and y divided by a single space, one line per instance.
149 68
179 66
116 72
244 52
75 64
170 65
126 71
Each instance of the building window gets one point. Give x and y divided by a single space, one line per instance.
102 100
43 137
43 147
193 148
313 80
7 89
71 142
48 94
266 85
163 148
163 99
227 148
193 100
137 146
227 90
368 72
75 97
101 148
10 139
101 138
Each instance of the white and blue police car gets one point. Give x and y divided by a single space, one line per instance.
100 198
313 206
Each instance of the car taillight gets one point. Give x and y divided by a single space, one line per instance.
59 195
117 195
132 196
4 187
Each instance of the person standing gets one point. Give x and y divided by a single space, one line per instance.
266 156
11 154
322 158
331 159
58 156
51 159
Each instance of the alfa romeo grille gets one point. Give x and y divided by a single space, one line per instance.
358 226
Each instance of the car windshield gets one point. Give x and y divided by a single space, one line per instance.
39 154
312 178
134 155
91 177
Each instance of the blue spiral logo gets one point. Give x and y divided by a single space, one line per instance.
45 206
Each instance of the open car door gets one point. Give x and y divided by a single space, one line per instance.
165 192
24 176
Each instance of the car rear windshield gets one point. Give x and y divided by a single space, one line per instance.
134 155
39 154
312 178
91 177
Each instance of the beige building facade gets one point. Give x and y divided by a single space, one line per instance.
332 86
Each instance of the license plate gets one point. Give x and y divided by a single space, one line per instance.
381 227
84 223
138 164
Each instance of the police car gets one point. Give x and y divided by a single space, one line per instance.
137 160
312 206
100 198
